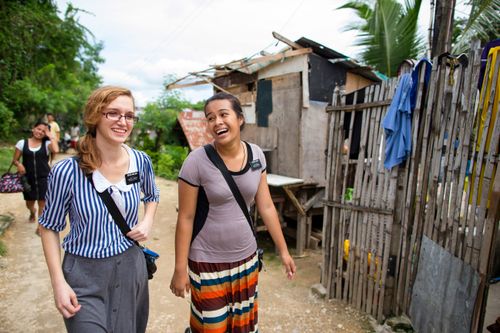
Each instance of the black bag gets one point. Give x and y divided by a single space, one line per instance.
219 163
149 255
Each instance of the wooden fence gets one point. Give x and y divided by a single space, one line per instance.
374 218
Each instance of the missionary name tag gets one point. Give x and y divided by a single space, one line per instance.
132 178
255 164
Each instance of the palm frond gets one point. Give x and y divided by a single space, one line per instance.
389 34
483 23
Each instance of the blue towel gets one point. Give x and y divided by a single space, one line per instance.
397 125
415 77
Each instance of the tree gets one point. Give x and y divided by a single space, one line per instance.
160 117
47 63
387 31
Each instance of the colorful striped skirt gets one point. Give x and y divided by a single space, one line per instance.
224 296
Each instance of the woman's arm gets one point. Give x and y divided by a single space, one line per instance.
54 142
64 296
188 197
140 232
269 215
15 161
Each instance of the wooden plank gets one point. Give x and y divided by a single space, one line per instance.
186 85
327 215
473 182
479 199
423 175
349 289
460 161
271 58
437 137
470 94
287 41
381 92
328 220
449 180
317 197
359 107
295 202
285 116
466 242
408 262
362 171
340 236
379 252
301 224
490 149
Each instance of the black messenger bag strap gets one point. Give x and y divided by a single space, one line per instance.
219 163
113 210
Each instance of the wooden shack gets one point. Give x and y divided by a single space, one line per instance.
284 96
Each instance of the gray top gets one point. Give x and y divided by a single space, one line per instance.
226 235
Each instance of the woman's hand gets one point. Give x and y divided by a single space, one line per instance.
49 134
20 168
140 232
65 299
179 285
289 264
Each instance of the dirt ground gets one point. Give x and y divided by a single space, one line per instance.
26 303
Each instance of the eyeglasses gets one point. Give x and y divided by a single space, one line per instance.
115 116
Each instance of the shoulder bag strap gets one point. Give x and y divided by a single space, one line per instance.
219 163
113 210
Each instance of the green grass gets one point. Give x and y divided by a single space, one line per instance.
6 154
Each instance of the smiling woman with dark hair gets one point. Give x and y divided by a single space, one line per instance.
35 153
216 254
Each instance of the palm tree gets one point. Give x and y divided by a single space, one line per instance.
483 23
388 32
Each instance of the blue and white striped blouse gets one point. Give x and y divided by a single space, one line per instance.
93 233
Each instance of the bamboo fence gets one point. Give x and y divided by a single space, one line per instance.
371 241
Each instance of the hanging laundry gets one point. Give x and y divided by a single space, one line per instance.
397 124
415 77
484 59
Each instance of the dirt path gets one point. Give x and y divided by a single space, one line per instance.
26 303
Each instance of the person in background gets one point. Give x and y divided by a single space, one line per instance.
220 265
102 285
75 135
54 126
56 132
35 153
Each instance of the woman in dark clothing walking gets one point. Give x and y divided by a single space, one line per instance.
35 153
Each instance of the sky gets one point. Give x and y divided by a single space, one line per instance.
145 40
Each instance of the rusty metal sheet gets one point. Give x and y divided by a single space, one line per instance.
194 126
444 292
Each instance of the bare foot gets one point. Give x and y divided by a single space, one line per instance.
32 217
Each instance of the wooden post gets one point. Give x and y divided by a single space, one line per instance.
301 226
443 27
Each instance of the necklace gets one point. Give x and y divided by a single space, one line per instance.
244 156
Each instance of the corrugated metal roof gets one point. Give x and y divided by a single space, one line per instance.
194 126
341 59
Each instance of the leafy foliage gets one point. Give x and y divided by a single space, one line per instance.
157 135
170 161
483 23
387 31
6 154
47 63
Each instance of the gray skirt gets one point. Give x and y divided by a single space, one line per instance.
113 292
